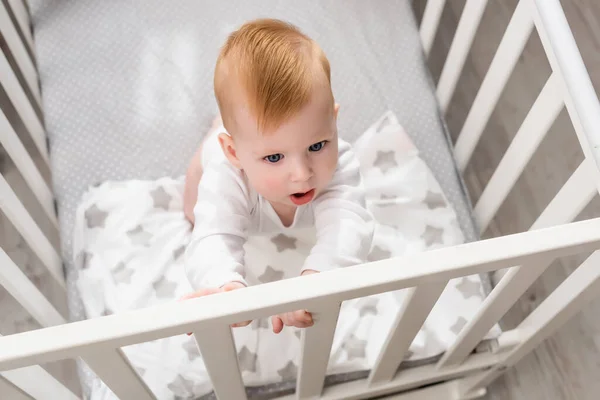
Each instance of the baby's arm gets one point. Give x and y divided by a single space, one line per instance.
192 179
215 254
344 225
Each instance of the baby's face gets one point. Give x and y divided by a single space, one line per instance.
291 165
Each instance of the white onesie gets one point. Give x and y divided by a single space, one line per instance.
228 210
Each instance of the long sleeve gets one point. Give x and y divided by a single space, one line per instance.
344 225
215 254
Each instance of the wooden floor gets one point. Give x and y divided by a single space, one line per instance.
567 366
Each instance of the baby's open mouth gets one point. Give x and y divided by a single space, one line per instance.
302 198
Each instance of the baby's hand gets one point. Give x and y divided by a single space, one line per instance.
299 319
225 288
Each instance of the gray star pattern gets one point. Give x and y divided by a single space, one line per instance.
139 236
367 306
378 253
178 252
432 235
434 200
164 288
160 198
298 334
270 275
355 348
247 360
122 274
385 160
191 349
469 288
290 371
283 242
458 325
181 387
95 217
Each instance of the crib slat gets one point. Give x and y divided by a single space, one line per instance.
24 108
316 350
459 49
19 52
430 23
572 198
220 357
20 287
22 16
536 124
112 366
17 152
35 238
10 391
581 100
410 319
511 46
38 383
582 286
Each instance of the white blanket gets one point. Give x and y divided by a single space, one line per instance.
130 236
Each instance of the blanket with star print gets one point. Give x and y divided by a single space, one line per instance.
130 237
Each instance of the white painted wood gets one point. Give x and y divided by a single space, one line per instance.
17 48
38 383
316 350
220 357
536 124
112 366
410 319
445 391
582 286
409 379
35 238
571 199
174 318
17 96
459 49
504 295
22 16
430 22
581 100
517 33
20 287
17 152
11 392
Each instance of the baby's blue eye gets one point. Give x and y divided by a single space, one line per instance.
316 146
273 158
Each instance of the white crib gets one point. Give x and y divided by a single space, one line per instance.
460 373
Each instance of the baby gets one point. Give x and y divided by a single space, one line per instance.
275 163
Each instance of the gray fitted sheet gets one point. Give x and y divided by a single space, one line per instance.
127 86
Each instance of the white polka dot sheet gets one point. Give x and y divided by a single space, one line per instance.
129 238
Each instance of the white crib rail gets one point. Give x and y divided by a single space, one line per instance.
313 292
98 342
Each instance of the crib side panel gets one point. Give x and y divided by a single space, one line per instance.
568 87
26 199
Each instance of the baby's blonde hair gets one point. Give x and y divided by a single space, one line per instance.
277 67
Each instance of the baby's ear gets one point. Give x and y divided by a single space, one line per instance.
228 147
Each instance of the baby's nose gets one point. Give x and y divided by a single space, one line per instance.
302 172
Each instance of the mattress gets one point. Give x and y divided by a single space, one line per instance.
127 87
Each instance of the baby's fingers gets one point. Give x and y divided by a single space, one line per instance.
302 319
